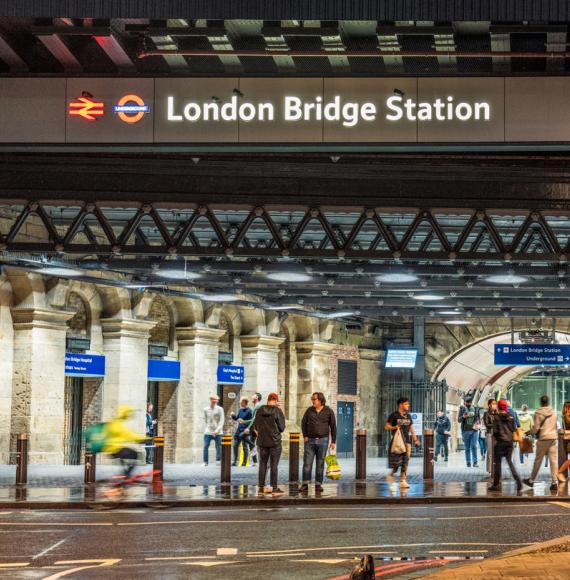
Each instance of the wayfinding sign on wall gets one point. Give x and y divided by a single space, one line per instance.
230 374
284 110
84 365
532 354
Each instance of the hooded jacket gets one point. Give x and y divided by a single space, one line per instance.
269 423
525 421
117 434
545 424
504 427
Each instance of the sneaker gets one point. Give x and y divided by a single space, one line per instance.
260 492
475 465
277 491
318 488
562 478
390 479
494 488
234 464
519 485
404 483
554 486
267 490
304 488
204 465
469 465
446 460
528 482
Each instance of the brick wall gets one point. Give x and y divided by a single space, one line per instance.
166 415
160 333
344 353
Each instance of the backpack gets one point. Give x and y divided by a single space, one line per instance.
96 438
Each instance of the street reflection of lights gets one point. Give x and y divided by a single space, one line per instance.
396 278
428 297
58 271
506 279
289 277
173 274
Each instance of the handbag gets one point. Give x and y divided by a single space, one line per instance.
398 446
527 446
333 468
518 435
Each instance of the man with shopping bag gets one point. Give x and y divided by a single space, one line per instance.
319 427
400 423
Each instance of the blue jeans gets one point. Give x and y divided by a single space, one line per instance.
441 446
315 448
207 440
482 444
470 442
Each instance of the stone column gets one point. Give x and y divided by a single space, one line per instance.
198 349
125 346
6 363
313 369
39 381
370 397
260 356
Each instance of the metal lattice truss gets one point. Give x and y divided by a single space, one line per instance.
456 263
296 47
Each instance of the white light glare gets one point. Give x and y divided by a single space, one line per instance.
59 271
396 278
289 277
173 274
428 297
506 279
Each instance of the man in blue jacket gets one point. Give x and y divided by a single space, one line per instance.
442 428
243 417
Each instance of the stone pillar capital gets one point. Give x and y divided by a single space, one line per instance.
311 347
261 343
192 335
27 318
126 327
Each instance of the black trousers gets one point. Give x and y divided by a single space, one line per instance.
503 449
128 459
269 455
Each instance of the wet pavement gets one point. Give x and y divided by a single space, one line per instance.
301 542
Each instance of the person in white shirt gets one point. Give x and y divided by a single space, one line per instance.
214 425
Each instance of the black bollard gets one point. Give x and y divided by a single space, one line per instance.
562 455
158 459
90 467
22 459
360 454
294 440
428 454
226 471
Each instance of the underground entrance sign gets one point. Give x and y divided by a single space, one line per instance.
532 354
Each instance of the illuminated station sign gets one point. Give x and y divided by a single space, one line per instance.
393 111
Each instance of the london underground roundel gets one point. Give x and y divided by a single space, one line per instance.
131 109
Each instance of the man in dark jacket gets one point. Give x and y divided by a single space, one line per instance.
503 429
269 423
317 425
468 418
244 414
442 428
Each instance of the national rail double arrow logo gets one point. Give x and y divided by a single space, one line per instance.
86 108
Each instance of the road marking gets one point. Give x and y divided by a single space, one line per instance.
5 513
324 560
29 524
458 551
564 504
276 555
227 551
494 517
209 564
179 558
49 549
368 552
15 565
93 564
179 522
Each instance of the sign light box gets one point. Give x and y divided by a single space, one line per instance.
401 358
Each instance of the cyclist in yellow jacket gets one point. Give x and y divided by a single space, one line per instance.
119 439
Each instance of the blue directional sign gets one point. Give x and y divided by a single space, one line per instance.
532 354
230 374
84 365
163 370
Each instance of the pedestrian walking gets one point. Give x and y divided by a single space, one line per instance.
469 420
525 422
503 429
545 428
488 418
442 428
213 427
268 425
240 438
257 401
562 477
150 431
400 424
319 431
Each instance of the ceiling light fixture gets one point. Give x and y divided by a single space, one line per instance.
219 297
289 277
59 271
396 278
458 322
173 274
428 297
506 279
340 314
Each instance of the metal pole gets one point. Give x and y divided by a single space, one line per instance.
491 455
429 450
294 441
360 454
90 468
226 470
22 459
158 459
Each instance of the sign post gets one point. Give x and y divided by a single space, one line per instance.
535 355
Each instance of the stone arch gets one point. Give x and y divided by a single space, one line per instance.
253 321
230 321
188 312
163 313
28 288
115 302
307 328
